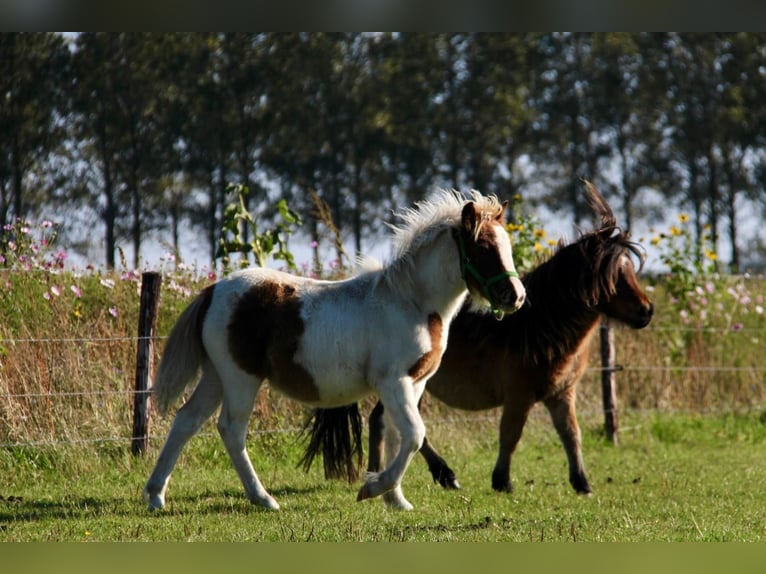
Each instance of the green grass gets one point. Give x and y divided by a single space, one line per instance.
673 478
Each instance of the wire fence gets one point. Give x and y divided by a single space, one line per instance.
591 410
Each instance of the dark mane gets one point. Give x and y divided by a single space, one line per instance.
562 295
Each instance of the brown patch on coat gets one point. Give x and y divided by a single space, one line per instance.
429 361
264 333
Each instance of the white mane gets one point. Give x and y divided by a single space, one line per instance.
423 222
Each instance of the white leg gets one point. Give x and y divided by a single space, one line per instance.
232 425
189 419
394 498
400 400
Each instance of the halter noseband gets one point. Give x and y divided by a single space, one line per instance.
467 268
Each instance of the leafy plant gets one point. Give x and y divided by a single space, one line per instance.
271 242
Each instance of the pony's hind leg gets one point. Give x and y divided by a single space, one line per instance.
238 403
189 419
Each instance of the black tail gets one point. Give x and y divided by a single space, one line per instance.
337 434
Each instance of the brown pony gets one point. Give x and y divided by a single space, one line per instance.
540 352
537 354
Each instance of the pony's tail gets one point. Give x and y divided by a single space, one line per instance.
183 355
336 434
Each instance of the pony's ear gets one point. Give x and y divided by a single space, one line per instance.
469 216
600 207
500 218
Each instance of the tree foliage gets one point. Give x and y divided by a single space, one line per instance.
148 130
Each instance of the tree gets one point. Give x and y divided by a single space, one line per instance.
33 68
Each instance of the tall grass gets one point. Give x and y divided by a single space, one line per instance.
68 344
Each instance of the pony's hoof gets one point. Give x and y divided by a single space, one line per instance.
155 501
364 493
397 502
268 503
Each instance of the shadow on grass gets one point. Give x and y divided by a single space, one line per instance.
72 507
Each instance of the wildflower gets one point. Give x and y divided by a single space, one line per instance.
759 309
538 247
76 290
2 260
737 327
539 233
55 290
313 244
683 217
46 224
12 245
674 230
113 311
108 283
655 240
711 255
47 296
77 313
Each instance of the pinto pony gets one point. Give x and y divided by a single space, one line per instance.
331 343
540 353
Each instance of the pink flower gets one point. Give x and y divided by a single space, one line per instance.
108 283
46 224
212 276
737 327
55 290
47 296
113 311
76 290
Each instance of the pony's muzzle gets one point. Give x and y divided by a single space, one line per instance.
508 296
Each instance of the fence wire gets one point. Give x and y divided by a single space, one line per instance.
430 420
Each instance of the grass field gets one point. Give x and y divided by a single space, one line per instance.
672 478
689 467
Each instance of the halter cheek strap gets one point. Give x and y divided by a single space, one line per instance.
467 268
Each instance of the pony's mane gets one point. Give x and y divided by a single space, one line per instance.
563 282
561 296
428 218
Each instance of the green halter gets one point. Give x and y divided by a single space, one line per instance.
466 267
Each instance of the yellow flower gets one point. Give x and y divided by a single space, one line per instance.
683 217
77 313
552 242
655 240
711 255
538 247
517 197
674 230
539 233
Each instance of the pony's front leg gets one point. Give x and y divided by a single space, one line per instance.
405 432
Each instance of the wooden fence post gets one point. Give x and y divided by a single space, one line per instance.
147 323
608 392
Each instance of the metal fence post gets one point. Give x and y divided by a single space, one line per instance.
608 391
